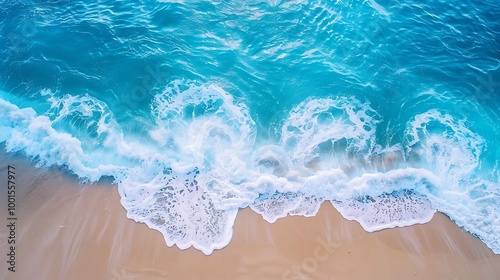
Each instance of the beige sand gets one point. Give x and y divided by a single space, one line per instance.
66 231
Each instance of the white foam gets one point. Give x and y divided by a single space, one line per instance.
196 119
453 152
202 164
271 159
388 210
447 145
181 208
385 200
279 205
201 128
294 177
92 122
275 206
24 130
324 122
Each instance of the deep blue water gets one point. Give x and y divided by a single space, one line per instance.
388 109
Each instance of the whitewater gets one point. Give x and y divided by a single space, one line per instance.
389 110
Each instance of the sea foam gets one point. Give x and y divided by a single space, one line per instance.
203 163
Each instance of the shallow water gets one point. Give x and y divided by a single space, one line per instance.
195 108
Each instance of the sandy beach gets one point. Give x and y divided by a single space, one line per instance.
69 231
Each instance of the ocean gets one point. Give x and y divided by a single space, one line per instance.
389 110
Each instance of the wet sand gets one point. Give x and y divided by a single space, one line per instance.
69 231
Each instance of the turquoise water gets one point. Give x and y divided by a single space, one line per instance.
387 109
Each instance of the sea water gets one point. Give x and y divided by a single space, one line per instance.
389 110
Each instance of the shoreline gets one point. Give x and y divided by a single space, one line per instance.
71 231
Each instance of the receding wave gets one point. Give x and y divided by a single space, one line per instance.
205 163
196 109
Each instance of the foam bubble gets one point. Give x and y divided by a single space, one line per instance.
201 120
24 130
446 145
277 205
194 200
181 208
449 149
326 131
271 159
202 166
388 210
93 123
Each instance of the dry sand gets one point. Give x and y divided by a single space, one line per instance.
68 231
